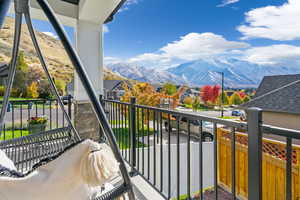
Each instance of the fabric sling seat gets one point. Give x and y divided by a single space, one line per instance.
33 151
29 151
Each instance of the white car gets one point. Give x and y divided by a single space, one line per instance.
207 128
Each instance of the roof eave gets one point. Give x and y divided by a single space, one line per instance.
111 16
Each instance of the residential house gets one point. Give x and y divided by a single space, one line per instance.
114 89
191 92
3 73
279 97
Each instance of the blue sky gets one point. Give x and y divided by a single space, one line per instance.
164 33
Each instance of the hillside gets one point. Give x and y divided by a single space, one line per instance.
57 59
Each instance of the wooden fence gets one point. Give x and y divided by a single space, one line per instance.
273 166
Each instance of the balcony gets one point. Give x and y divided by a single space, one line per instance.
166 153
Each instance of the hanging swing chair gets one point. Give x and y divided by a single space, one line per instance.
29 152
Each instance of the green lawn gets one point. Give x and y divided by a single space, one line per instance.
18 99
229 117
123 137
9 134
117 122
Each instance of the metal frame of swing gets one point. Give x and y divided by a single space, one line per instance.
22 8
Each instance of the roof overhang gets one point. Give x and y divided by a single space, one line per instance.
69 11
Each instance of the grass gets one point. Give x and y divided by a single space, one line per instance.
196 194
117 122
123 137
9 134
201 108
228 117
18 99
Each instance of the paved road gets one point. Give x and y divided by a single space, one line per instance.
211 113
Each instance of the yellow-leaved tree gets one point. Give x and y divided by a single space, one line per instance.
32 90
146 95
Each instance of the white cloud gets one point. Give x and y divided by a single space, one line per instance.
190 47
51 34
112 60
273 55
227 2
127 4
271 22
105 28
200 45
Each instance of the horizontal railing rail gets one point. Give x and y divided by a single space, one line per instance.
181 155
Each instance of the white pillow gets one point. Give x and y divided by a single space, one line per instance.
6 162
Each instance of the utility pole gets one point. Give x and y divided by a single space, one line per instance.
222 106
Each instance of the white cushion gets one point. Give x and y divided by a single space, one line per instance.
6 162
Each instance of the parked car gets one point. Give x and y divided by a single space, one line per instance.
236 113
207 128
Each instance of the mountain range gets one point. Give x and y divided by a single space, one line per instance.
237 73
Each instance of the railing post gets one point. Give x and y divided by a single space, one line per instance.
133 131
101 100
254 118
70 106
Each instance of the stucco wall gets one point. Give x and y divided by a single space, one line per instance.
284 120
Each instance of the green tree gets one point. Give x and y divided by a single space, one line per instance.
44 89
196 104
225 100
21 78
169 89
235 99
246 99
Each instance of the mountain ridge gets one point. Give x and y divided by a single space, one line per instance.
237 73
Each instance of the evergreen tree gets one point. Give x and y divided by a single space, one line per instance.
21 78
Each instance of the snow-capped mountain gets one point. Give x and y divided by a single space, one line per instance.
237 73
143 74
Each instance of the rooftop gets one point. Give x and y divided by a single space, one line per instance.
278 94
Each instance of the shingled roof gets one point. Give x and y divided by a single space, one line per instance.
110 85
278 94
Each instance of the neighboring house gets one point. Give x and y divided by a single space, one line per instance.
279 97
70 88
229 93
114 89
191 92
3 73
157 87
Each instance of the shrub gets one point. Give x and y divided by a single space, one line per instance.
188 100
15 93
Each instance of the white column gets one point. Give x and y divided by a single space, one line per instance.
89 46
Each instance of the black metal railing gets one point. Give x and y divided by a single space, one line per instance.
20 111
177 152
